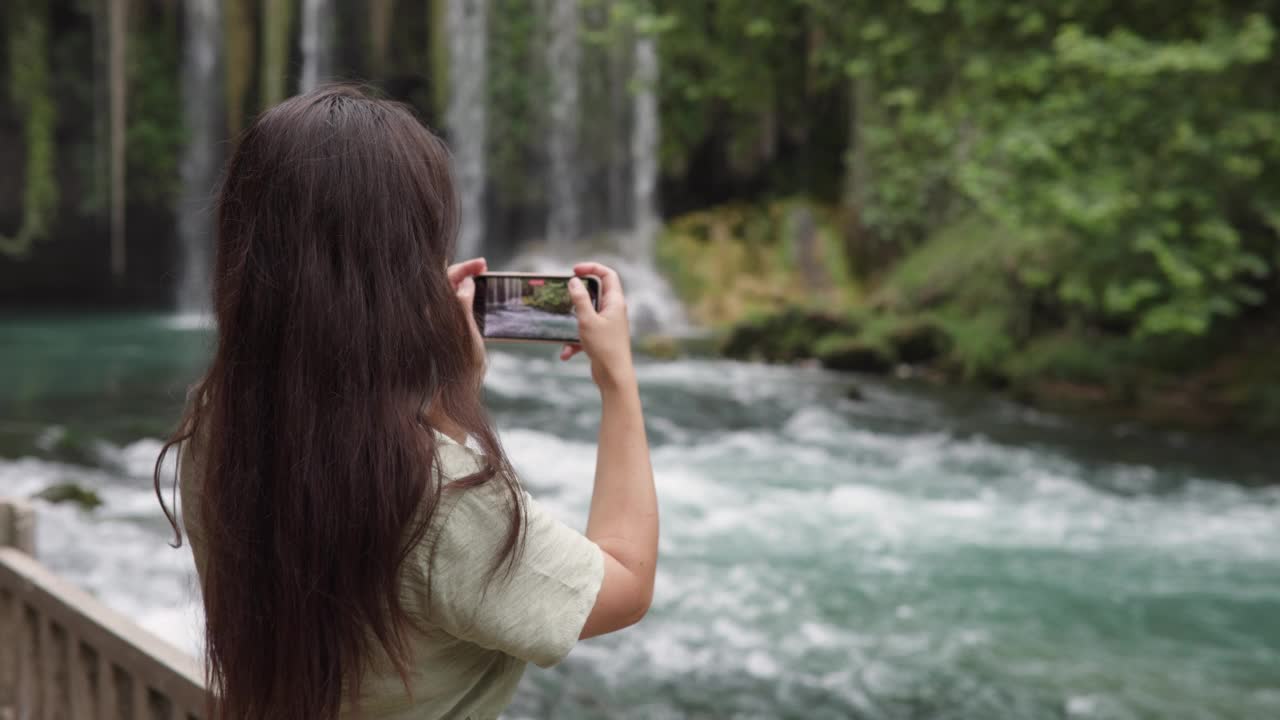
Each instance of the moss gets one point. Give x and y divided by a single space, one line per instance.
277 17
29 89
728 262
239 59
661 347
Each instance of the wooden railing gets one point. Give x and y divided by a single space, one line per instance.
66 656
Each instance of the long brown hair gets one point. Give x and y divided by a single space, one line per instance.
337 325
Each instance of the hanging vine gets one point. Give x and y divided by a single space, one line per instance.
30 92
277 16
239 60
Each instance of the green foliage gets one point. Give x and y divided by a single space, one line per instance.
29 89
155 134
552 298
517 85
1073 357
981 343
1132 151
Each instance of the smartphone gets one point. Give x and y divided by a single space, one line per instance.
526 307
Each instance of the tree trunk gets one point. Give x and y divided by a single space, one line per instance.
276 18
859 176
118 34
239 60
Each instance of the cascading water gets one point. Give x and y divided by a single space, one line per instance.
466 118
644 150
201 90
632 161
564 188
654 304
317 43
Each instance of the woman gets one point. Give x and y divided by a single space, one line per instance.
356 557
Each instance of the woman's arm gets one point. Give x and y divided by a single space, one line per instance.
624 507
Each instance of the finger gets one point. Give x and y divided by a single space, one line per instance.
610 283
581 299
467 268
569 350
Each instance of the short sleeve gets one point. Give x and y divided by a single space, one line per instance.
536 611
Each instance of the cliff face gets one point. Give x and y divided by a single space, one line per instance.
71 267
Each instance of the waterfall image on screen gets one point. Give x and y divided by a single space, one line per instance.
528 308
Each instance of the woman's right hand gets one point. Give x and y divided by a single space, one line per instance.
605 334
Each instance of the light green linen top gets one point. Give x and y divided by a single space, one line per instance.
477 638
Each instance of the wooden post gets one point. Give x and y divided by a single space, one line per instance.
17 526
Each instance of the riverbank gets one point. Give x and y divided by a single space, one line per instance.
780 283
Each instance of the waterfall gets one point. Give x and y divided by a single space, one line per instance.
465 118
644 150
630 187
201 92
656 308
317 43
564 224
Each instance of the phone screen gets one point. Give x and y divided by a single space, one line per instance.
528 307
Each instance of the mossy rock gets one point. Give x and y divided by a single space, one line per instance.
852 354
70 493
786 336
919 341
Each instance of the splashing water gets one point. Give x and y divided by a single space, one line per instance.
907 555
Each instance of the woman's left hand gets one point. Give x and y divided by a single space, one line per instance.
460 276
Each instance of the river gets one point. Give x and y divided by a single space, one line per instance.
914 553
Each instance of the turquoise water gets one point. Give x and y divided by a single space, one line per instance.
913 554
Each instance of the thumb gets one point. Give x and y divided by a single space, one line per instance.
467 289
581 298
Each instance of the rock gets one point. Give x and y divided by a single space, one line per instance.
786 336
917 342
70 493
854 393
854 355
